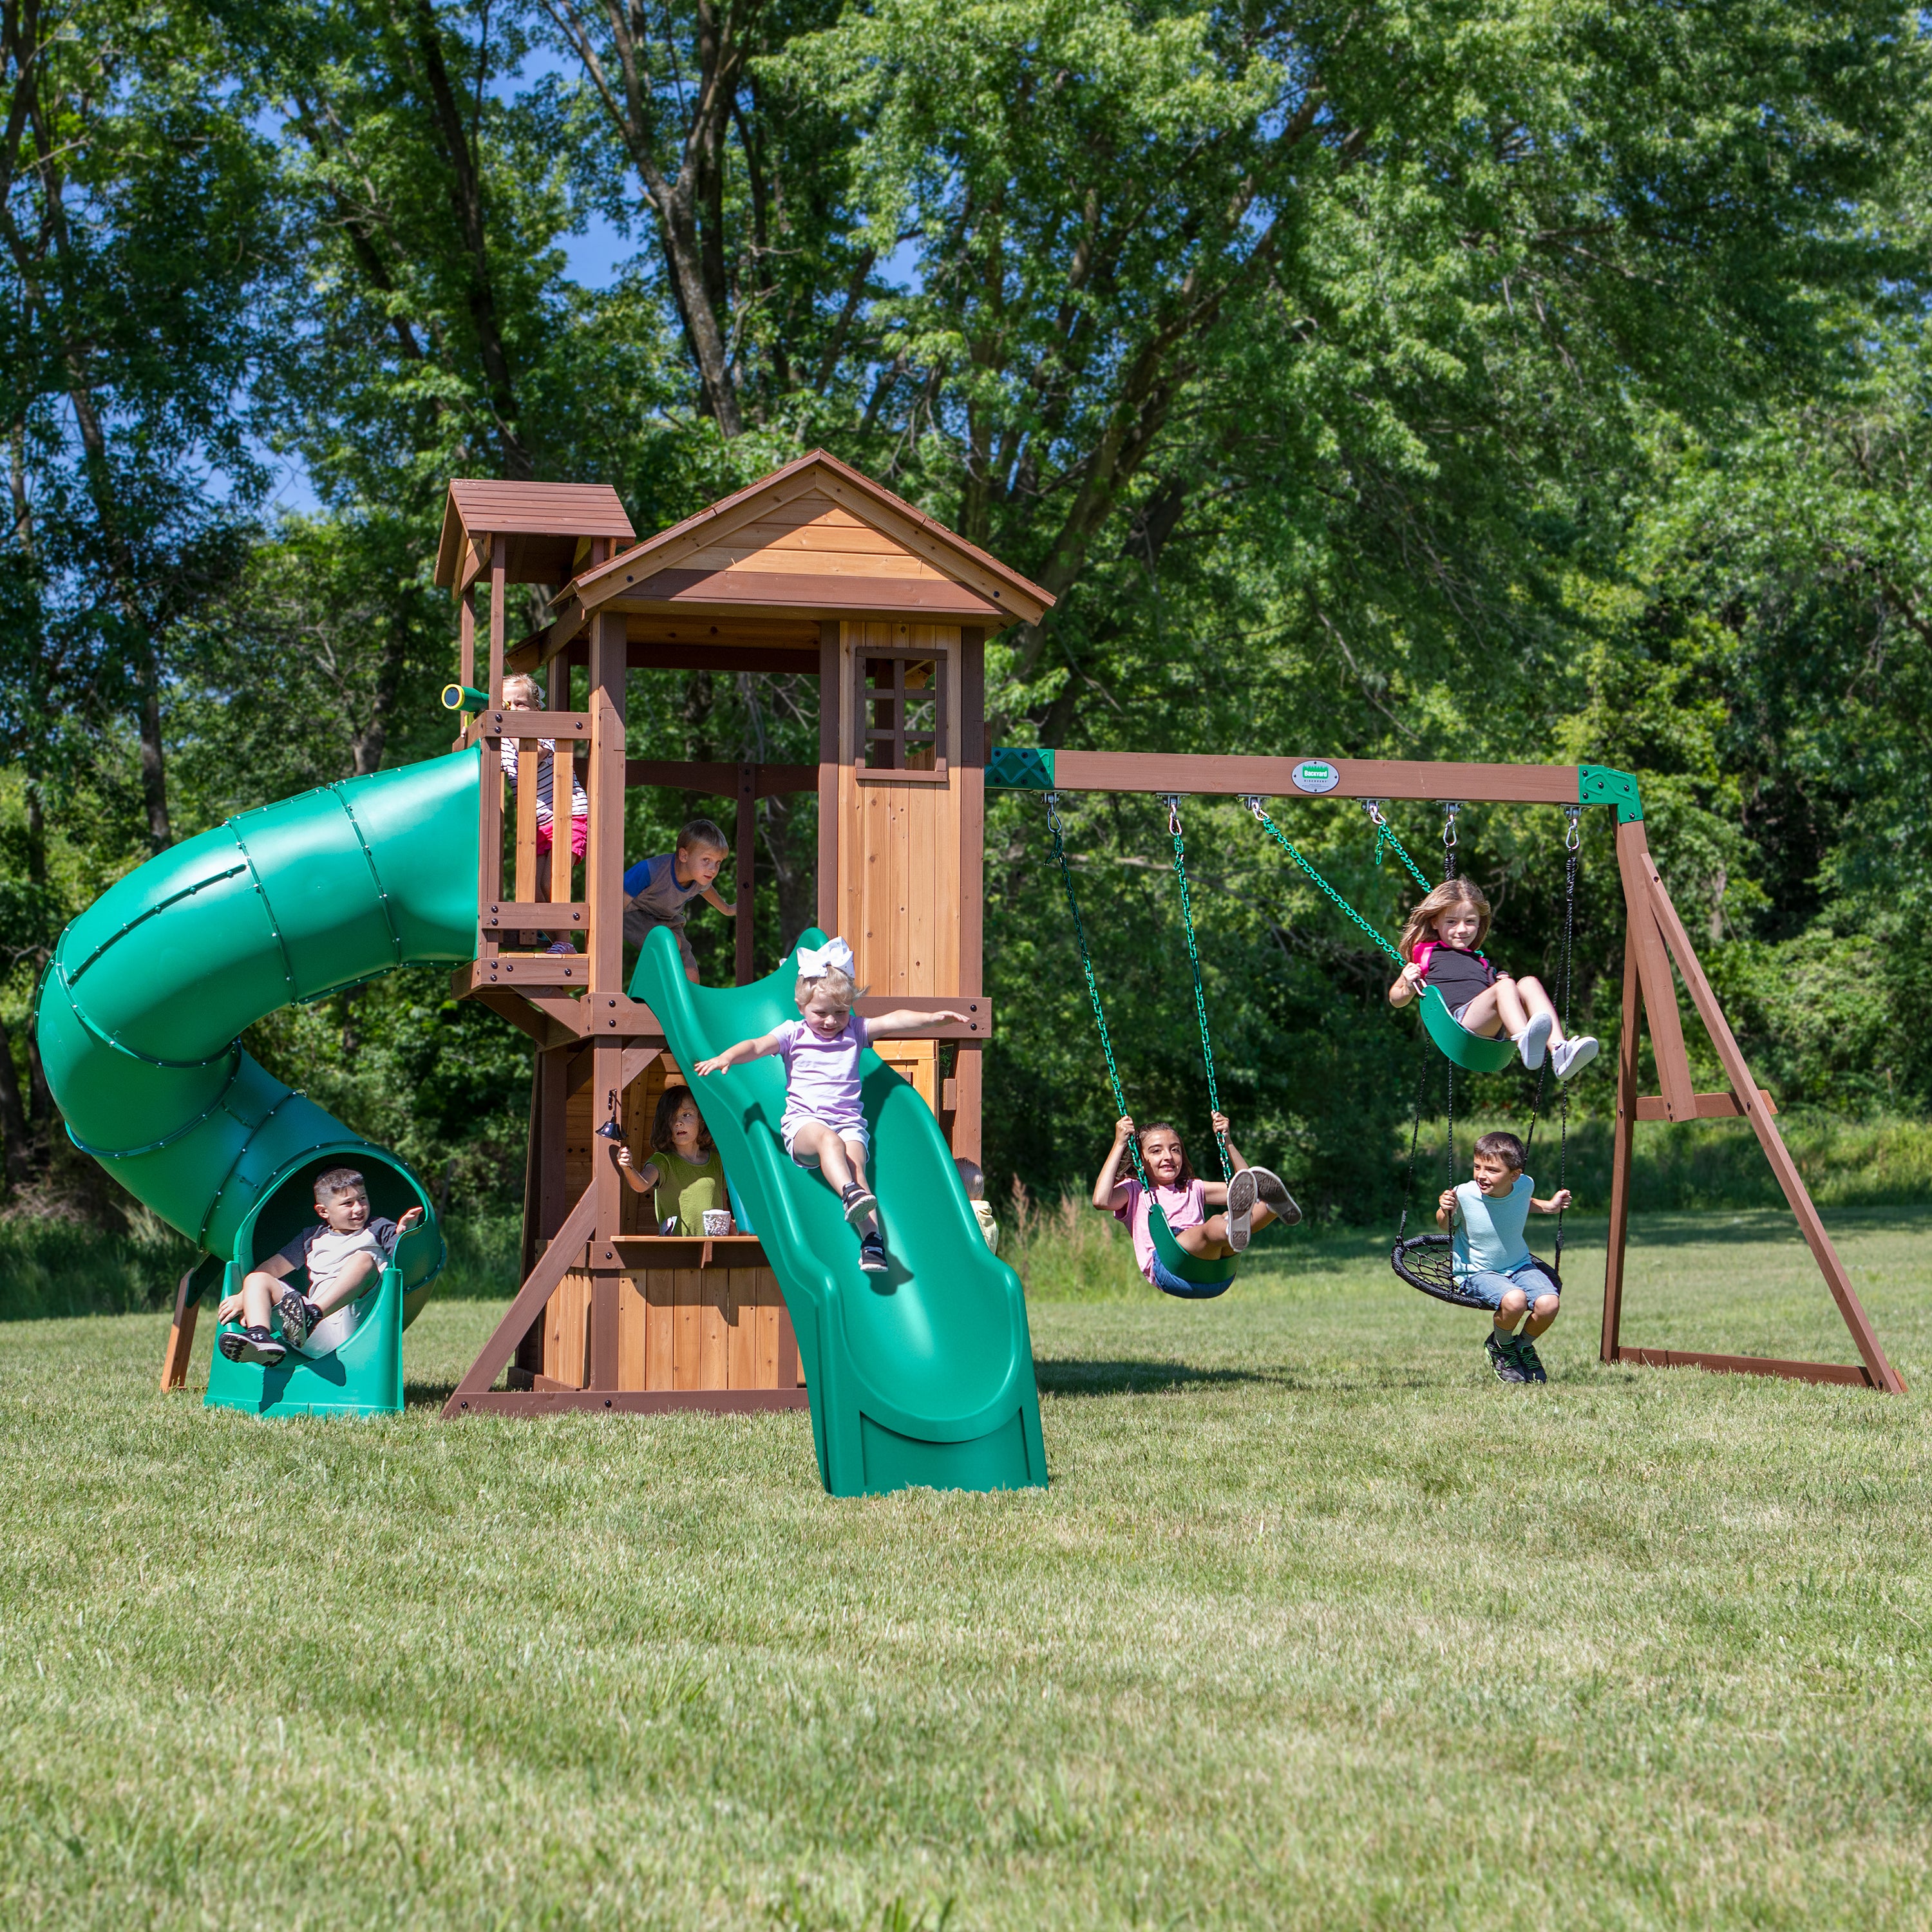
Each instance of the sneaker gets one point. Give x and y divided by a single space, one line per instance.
1529 1361
1273 1194
1241 1206
299 1314
1532 1040
1572 1056
562 945
872 1254
1502 1359
858 1202
252 1345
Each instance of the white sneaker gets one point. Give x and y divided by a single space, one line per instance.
1572 1056
1532 1040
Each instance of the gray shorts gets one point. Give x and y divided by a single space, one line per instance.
639 926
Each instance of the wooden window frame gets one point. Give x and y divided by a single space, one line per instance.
865 695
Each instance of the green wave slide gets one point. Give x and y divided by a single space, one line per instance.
922 1377
147 989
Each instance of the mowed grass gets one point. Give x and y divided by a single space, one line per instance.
1317 1626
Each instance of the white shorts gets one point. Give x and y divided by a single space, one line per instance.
788 1132
333 1330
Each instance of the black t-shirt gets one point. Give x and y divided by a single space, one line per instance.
1459 976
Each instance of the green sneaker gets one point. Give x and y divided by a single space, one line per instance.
1528 1361
1502 1359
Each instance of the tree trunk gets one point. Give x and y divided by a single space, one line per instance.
17 1151
467 203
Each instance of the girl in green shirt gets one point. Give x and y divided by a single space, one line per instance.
684 1171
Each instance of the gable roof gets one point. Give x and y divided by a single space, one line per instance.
547 525
816 535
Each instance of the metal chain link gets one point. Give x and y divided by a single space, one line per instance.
1385 834
1172 802
1281 838
1093 988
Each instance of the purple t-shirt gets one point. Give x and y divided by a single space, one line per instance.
822 1076
1184 1207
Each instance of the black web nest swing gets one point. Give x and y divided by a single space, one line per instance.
1427 1261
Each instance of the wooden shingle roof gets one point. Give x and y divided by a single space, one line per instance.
547 529
815 537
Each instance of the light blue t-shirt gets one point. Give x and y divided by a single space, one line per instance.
1489 1228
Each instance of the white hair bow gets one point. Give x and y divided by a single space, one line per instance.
812 961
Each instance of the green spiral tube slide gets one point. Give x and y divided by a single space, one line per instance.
147 989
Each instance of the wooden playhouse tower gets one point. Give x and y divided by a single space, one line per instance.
814 570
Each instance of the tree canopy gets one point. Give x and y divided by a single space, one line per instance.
1500 380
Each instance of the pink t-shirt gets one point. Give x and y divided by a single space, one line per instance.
1184 1207
822 1076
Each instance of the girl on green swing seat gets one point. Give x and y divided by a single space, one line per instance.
1253 1198
1441 941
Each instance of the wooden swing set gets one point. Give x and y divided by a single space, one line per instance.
1655 940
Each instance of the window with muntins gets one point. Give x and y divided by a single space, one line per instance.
902 711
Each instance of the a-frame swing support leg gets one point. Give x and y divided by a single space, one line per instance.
1657 937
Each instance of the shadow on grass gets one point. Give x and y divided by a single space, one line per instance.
1070 1375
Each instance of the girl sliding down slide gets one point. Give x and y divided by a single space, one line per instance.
824 1124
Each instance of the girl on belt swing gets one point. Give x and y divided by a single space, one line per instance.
1255 1197
1439 941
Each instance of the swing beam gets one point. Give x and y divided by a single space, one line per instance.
1656 941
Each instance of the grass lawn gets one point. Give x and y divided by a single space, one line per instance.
1317 1626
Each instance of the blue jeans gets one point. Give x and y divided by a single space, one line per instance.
1489 1287
1168 1282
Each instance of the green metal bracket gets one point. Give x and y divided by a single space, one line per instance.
1019 768
1599 784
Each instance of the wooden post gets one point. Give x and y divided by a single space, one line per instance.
747 860
1745 1086
966 1063
831 697
465 658
181 1337
499 555
1621 1147
1642 940
603 890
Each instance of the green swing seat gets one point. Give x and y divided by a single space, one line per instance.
1204 1279
1474 1052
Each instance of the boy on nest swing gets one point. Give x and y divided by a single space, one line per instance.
1484 1219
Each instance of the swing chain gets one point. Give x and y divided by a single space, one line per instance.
1449 807
1282 839
1573 839
1385 835
1087 967
1173 803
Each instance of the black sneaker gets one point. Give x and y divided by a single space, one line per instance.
858 1202
1528 1361
1502 1359
299 1314
252 1345
872 1255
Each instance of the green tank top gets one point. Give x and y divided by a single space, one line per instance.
686 1189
